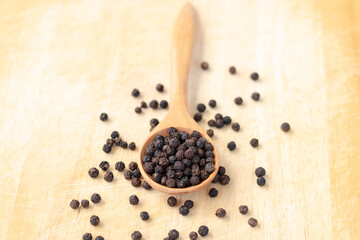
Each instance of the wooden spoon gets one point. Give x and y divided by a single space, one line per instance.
178 115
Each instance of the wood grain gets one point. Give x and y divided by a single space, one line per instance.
65 62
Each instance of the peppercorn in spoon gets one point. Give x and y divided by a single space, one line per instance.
178 116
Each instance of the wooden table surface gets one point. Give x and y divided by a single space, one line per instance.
62 63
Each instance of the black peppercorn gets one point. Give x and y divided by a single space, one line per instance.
164 104
194 180
213 192
107 148
255 96
221 171
159 87
134 200
132 146
211 123
144 216
197 117
220 212
108 176
128 175
261 181
154 122
235 126
133 166
104 165
232 70
115 134
260 172
231 146
183 210
87 236
216 179
143 104
154 104
136 182
171 201
254 142
103 117
135 92
146 186
156 177
110 141
123 144
238 100
204 65
136 173
210 132
285 127
170 182
94 220
252 222
254 76
203 230
119 166
95 198
219 123
209 168
117 141
193 236
212 103
243 209
201 107
148 167
138 109
173 234
224 180
227 120
99 238
74 204
93 172
218 116
189 204
136 235
85 203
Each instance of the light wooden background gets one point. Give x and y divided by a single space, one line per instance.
62 63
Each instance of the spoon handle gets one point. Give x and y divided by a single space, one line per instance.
181 51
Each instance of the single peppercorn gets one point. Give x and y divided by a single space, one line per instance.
143 104
201 107
220 212
260 172
231 146
254 76
218 116
93 172
109 176
164 104
136 173
211 123
136 235
221 171
94 220
213 192
124 144
74 204
252 222
95 198
154 104
171 201
224 180
132 146
99 238
235 126
232 70
210 132
154 122
260 181
254 142
198 117
134 200
227 120
159 87
144 216
203 230
219 123
136 182
104 165
138 109
285 127
133 165
128 175
119 166
204 65
255 96
117 141
238 100
135 92
110 141
85 203
107 148
193 235
212 103
103 117
189 204
87 236
173 234
243 209
115 134
146 186
183 210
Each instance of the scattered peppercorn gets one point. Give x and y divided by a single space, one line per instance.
154 104
173 234
133 165
108 176
87 236
103 117
243 209
213 192
255 96
224 180
198 117
220 212
260 172
119 166
235 126
117 141
285 127
94 220
232 70
164 104
210 132
261 181
115 134
254 76
124 144
146 186
110 141
107 148
203 230
252 222
221 171
132 146
219 123
138 109
193 236
201 107
95 198
128 175
135 92
144 216
189 204
104 165
231 146
227 120
171 201
154 122
211 123
74 204
134 200
183 210
136 173
212 103
93 172
85 203
136 182
204 65
238 100
143 104
254 142
136 235
218 116
99 238
159 87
